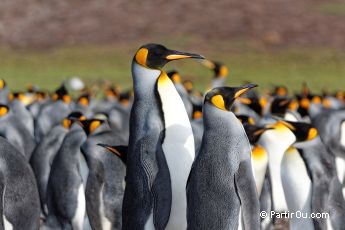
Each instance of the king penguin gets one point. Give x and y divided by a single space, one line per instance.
45 152
19 202
161 145
65 191
15 132
105 183
221 185
296 178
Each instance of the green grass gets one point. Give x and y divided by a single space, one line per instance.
318 67
331 8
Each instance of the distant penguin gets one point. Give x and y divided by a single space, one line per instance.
221 188
105 183
53 113
15 132
4 91
45 152
296 178
159 129
220 73
18 106
65 191
20 204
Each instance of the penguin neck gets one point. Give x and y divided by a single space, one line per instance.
276 145
144 81
222 123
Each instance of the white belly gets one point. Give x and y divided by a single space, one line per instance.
78 219
297 189
178 147
342 134
106 224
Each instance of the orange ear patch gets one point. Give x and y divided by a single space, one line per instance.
3 111
94 125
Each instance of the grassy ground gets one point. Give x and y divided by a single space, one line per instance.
319 67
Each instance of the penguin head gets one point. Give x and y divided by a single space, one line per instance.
4 110
174 76
188 85
254 132
224 97
155 56
219 69
279 106
256 104
62 94
71 118
245 119
197 112
92 125
301 130
2 84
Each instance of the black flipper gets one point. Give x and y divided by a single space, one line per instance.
161 190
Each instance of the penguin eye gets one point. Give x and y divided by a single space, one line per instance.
94 125
3 111
141 56
218 101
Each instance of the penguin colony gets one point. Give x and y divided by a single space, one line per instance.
166 156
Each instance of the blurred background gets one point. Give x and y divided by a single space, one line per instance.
264 41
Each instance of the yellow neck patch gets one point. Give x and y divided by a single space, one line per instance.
197 114
141 56
259 153
218 101
3 111
93 126
163 79
304 103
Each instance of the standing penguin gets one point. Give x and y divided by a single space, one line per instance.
18 106
105 183
45 152
220 73
19 201
295 177
52 114
65 191
15 132
161 145
221 184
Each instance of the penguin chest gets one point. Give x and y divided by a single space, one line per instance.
178 148
342 134
296 182
259 163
